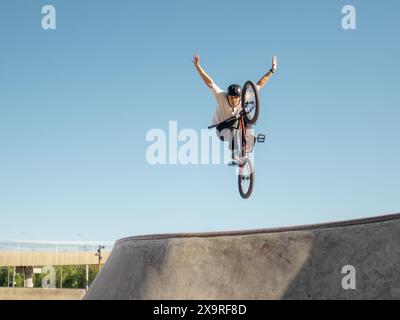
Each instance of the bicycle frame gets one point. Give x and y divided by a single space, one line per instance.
241 124
242 127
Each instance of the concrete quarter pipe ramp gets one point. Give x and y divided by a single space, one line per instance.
287 263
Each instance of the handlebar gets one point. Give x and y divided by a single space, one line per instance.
240 114
227 120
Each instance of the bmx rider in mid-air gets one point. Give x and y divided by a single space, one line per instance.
229 104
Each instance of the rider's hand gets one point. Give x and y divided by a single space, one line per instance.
196 59
274 63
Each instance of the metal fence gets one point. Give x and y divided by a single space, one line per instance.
54 246
23 256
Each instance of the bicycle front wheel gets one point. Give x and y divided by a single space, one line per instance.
250 102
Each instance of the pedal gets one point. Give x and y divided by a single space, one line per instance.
235 163
232 164
260 138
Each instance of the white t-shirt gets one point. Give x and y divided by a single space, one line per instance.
224 109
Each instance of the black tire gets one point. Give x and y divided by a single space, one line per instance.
248 89
245 193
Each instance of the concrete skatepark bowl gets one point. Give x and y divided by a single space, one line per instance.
303 262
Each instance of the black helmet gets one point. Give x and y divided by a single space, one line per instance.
234 90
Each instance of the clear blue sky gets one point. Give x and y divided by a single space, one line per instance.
76 104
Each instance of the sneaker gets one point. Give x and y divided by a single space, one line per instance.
237 161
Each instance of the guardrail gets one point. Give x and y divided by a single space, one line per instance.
57 246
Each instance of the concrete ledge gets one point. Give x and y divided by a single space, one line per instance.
41 294
304 262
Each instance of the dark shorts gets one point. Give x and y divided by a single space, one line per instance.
227 132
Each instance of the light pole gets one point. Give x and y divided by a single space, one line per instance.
100 256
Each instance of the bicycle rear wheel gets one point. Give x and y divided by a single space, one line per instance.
250 102
246 179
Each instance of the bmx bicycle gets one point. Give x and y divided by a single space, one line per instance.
248 115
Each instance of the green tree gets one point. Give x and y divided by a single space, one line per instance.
5 273
73 277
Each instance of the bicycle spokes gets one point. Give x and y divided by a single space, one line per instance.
250 102
246 179
249 106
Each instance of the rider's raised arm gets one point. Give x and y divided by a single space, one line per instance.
261 83
206 78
